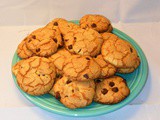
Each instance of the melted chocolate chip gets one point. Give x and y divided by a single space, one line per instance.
55 23
111 84
93 25
68 81
70 47
66 96
55 40
29 40
57 95
115 89
58 76
38 49
34 37
131 50
79 50
73 91
87 58
75 38
66 40
104 91
86 76
98 81
43 74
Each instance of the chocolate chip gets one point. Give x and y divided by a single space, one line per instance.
98 80
38 74
87 58
79 50
34 37
111 84
86 76
70 47
38 49
75 38
68 81
66 40
55 40
93 25
57 95
66 96
55 23
73 91
29 40
115 89
58 76
43 74
131 50
104 91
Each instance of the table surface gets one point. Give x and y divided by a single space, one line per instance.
13 105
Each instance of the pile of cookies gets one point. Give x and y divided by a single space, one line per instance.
76 63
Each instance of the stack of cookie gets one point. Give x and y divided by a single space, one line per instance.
76 63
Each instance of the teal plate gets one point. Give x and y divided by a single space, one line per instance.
135 81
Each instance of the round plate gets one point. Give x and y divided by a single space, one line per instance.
135 81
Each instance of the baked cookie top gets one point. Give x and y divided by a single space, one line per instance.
35 75
22 50
81 68
83 42
42 42
119 52
74 94
96 22
60 58
111 90
107 69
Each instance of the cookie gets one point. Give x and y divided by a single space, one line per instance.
119 52
22 50
129 70
16 67
83 42
54 25
81 68
36 75
106 68
60 59
74 94
96 22
42 42
111 90
66 27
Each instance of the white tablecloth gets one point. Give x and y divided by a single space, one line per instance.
140 21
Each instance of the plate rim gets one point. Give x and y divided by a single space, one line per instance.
92 113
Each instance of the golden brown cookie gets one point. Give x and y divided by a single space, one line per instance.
16 67
119 52
96 22
66 27
83 42
22 50
107 69
74 94
129 70
42 42
54 25
36 75
111 90
60 59
81 68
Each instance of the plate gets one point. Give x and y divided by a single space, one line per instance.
135 81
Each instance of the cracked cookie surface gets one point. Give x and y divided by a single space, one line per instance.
74 94
36 75
96 22
83 42
119 52
107 69
60 59
22 50
42 42
81 68
111 90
